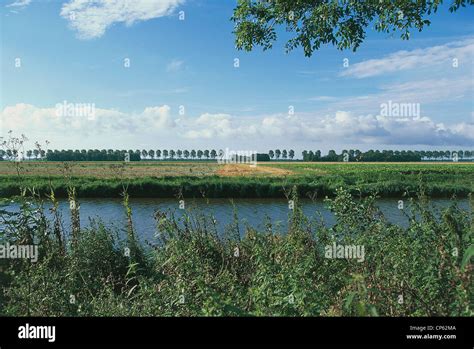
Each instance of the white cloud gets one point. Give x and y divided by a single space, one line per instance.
175 65
151 92
158 117
28 119
153 123
340 128
424 92
20 4
463 51
222 126
91 18
346 127
323 99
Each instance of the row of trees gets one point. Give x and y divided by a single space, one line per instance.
388 155
109 155
137 155
283 154
13 154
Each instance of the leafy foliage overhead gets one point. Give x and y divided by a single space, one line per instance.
342 23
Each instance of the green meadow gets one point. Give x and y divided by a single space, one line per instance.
266 180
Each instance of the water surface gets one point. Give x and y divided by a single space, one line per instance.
252 212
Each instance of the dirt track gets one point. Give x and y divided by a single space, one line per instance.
232 170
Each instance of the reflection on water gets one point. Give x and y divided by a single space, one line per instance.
253 212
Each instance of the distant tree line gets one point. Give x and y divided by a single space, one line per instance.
387 155
111 155
139 155
13 154
92 155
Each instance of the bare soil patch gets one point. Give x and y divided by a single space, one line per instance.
236 170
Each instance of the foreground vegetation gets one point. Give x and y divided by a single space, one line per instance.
272 180
192 270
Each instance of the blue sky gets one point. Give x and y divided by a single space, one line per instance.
182 89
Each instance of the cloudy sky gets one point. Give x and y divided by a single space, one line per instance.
165 74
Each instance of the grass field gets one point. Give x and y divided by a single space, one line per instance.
271 179
197 169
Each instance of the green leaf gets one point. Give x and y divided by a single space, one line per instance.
467 256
